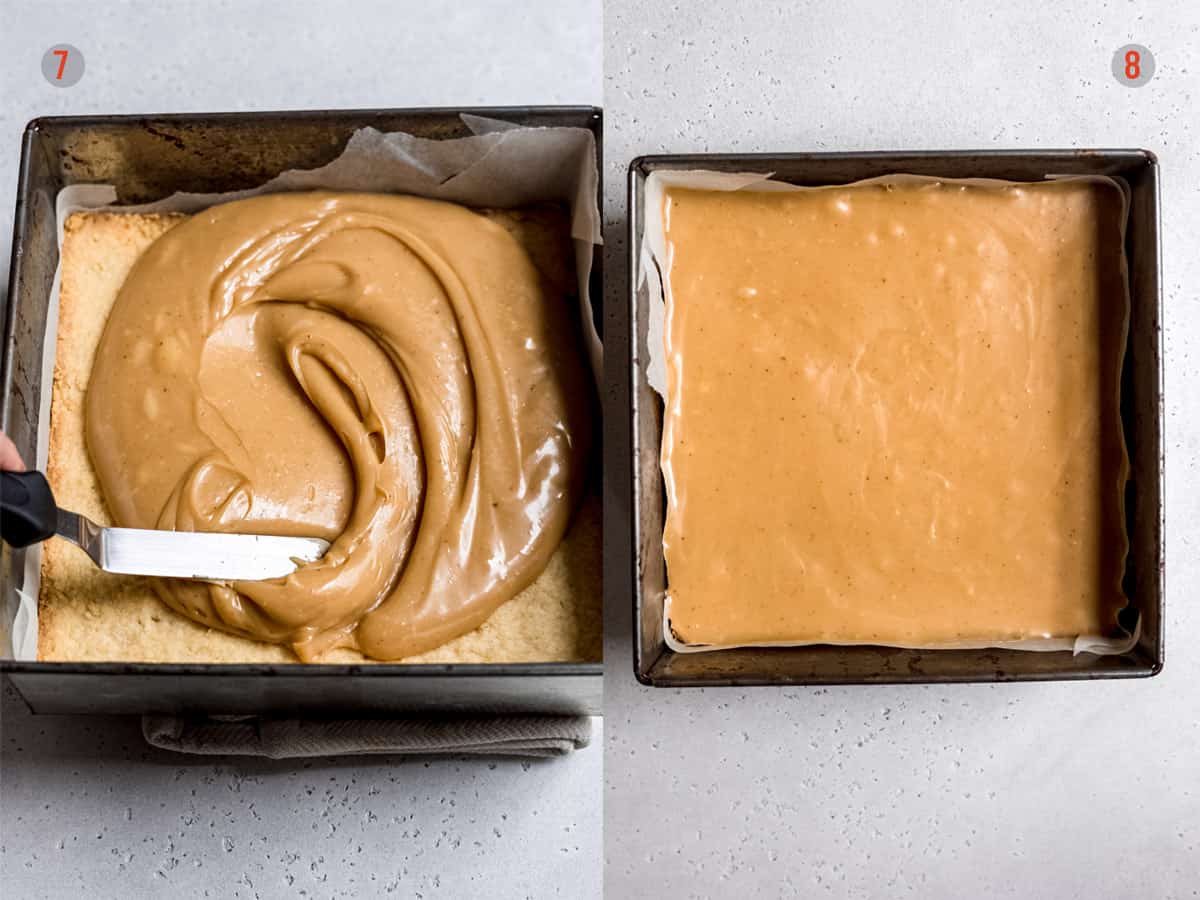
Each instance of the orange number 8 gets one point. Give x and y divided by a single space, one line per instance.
1133 65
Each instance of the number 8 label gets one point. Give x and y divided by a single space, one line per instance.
1133 65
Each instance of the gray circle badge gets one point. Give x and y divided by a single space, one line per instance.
1133 65
62 65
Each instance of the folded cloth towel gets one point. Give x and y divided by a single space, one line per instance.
537 736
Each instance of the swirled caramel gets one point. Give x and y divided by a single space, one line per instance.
389 373
892 413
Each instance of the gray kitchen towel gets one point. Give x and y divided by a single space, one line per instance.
536 736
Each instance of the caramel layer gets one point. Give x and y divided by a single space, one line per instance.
389 373
892 413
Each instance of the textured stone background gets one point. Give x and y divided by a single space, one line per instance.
85 808
1040 790
1036 790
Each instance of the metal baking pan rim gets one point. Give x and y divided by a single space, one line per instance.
1139 663
281 115
666 160
591 117
305 670
1134 672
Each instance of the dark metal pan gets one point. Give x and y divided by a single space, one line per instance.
1141 414
149 157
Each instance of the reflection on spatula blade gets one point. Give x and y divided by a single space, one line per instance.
28 514
210 557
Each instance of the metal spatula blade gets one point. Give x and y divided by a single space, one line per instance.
31 515
188 554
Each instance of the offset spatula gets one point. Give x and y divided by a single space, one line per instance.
28 514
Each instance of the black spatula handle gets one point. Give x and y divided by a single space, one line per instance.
28 513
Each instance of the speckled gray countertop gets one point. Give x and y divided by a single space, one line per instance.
1088 790
90 810
86 809
1040 790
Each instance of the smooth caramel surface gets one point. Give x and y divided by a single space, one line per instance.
893 413
390 373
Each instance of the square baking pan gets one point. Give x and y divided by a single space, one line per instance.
150 157
1141 416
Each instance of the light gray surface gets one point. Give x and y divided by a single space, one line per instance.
88 810
1037 790
232 55
85 808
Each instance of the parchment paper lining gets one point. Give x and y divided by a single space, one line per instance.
500 165
653 282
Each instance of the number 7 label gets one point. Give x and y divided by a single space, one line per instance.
62 65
